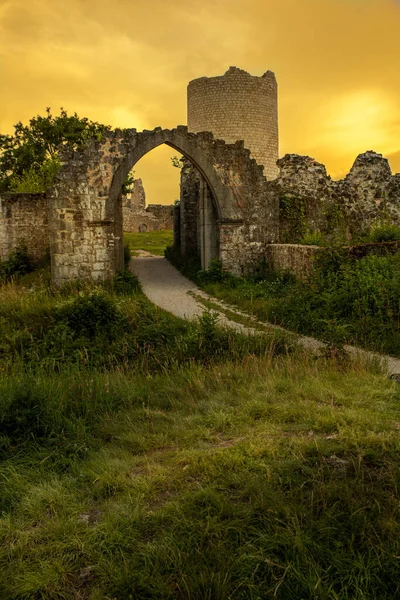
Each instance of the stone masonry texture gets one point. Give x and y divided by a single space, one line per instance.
368 194
24 222
238 106
85 202
232 207
300 259
137 217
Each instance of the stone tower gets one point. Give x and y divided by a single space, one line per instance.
239 106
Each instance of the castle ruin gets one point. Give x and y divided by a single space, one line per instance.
137 217
238 202
238 106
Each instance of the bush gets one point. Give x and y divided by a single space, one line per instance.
359 298
90 328
127 255
125 283
92 315
214 273
345 300
312 238
17 265
384 233
36 179
188 265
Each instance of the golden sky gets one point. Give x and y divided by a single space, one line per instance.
127 63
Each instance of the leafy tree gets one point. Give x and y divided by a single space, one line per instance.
29 158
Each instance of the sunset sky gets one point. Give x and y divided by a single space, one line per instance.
127 63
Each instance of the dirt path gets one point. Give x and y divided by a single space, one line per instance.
170 290
166 287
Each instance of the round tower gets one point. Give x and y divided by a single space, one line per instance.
239 106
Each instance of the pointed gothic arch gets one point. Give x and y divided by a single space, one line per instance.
84 208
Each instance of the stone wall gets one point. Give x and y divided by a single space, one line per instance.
85 224
369 192
311 201
300 259
162 216
296 258
189 209
239 106
137 217
23 221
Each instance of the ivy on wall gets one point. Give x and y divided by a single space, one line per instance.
293 221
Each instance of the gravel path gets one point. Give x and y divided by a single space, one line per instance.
166 287
170 290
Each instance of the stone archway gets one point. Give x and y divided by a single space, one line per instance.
85 215
211 200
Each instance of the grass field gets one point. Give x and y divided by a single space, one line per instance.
145 457
153 241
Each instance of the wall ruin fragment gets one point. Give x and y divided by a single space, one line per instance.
137 217
24 222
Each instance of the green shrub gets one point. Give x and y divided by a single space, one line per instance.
92 315
87 327
127 255
189 265
125 283
37 178
214 273
345 300
384 232
312 238
18 264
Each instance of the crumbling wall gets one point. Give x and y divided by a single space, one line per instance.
138 217
297 258
301 259
311 201
369 192
162 216
85 229
189 210
23 221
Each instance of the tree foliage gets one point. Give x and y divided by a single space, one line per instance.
29 157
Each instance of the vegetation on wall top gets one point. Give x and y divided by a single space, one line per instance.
29 158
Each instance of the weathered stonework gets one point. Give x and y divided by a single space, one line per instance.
296 258
239 106
23 222
228 209
85 202
161 216
300 259
189 209
137 217
369 193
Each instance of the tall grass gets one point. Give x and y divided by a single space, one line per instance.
145 457
111 326
274 478
344 300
